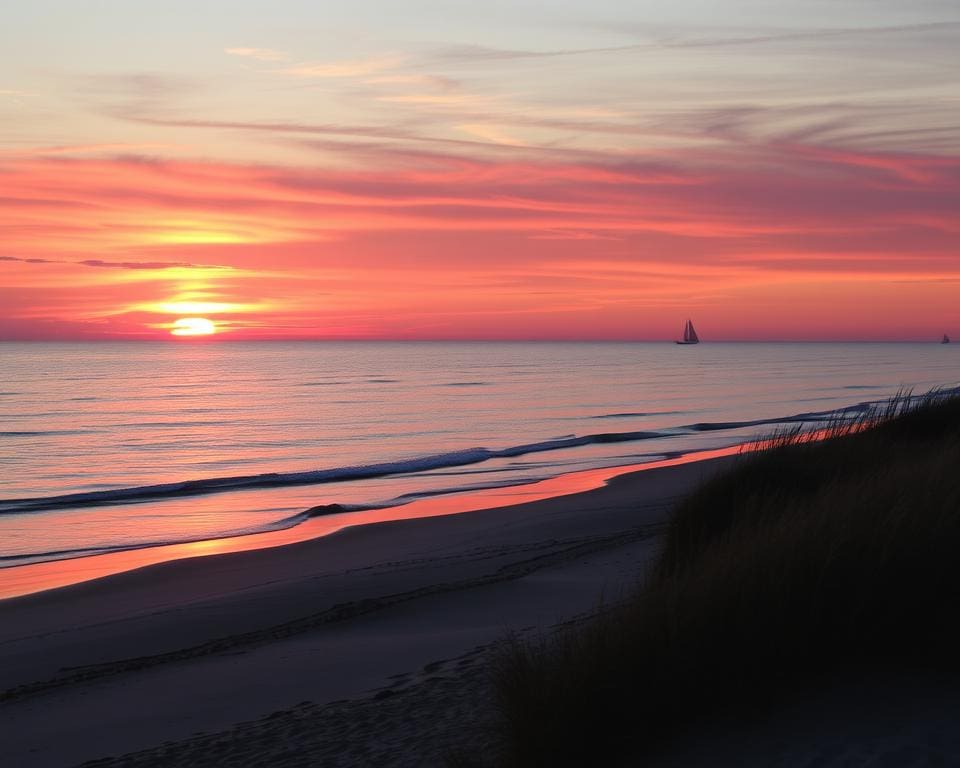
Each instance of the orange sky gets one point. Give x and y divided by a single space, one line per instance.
774 179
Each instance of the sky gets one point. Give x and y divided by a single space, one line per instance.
571 169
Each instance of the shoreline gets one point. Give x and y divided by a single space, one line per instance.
32 578
103 667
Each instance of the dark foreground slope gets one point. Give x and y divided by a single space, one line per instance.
806 561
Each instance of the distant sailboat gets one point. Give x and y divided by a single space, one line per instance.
689 335
945 339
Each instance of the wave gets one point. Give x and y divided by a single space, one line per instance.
45 432
465 384
245 482
460 458
634 414
439 461
320 383
152 424
27 558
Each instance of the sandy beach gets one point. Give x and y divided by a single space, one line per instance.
359 648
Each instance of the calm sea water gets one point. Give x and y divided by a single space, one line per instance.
115 445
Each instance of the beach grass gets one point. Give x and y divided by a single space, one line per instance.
813 555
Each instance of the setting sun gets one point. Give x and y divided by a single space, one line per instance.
193 326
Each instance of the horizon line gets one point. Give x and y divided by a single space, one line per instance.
388 340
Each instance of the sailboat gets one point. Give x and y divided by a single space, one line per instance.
945 339
689 334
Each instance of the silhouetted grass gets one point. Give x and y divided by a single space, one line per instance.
807 557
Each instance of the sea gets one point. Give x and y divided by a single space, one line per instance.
111 446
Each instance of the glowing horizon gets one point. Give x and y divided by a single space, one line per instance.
465 173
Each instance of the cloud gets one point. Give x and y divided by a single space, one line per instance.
462 247
813 34
388 132
484 53
260 54
142 86
342 69
148 264
491 133
83 149
432 81
371 131
759 127
30 261
103 263
775 190
135 91
658 41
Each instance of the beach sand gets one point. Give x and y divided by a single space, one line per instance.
365 647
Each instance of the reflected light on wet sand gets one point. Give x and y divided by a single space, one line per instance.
28 579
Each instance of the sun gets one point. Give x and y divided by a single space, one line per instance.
193 326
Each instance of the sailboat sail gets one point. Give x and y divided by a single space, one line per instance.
946 339
689 334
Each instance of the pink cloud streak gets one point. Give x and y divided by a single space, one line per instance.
575 248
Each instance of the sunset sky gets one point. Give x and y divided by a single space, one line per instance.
508 169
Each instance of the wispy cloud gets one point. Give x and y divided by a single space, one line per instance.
134 91
30 261
86 149
331 129
491 133
785 191
386 132
345 69
656 39
106 264
432 81
816 34
260 54
138 85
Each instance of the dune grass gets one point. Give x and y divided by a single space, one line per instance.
807 557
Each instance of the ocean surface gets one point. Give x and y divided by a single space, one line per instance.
110 446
